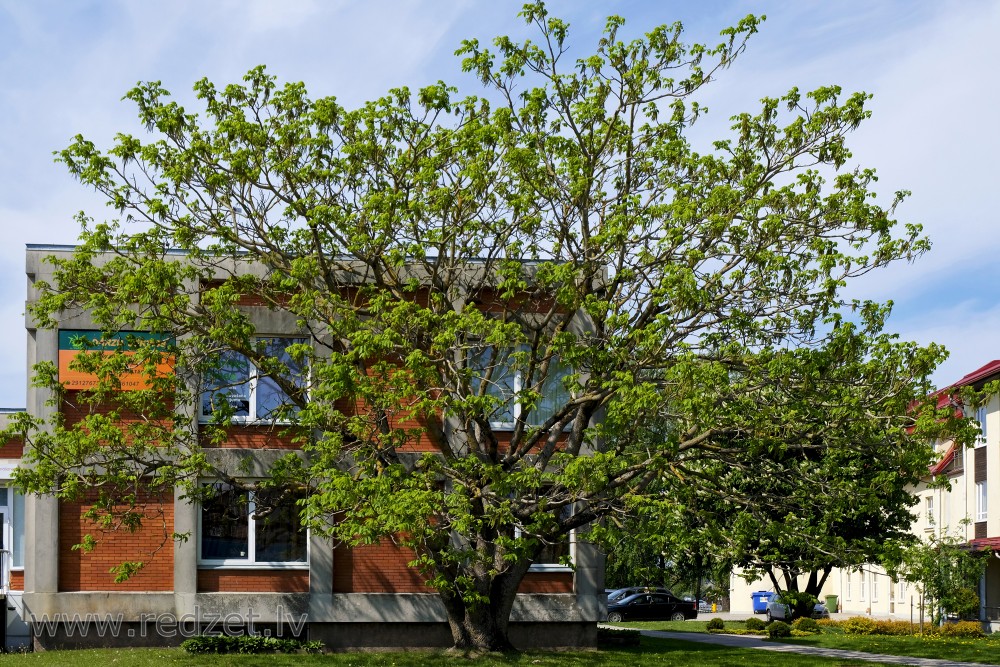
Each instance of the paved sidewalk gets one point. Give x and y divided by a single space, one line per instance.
744 641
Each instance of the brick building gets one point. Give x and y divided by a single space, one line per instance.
236 568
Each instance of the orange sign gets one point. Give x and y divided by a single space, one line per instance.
72 343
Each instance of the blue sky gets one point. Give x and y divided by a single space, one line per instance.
931 64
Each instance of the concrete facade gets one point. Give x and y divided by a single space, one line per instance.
557 606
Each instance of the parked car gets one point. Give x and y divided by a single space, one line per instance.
651 607
622 593
779 611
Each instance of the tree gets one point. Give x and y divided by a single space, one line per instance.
947 573
518 278
826 487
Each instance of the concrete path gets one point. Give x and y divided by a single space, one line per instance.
746 641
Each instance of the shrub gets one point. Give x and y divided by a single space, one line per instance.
806 624
248 644
755 624
859 625
965 629
898 628
716 624
827 623
778 629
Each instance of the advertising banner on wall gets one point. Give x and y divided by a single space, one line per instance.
72 343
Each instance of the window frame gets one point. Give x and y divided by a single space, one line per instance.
982 501
476 361
981 415
929 512
254 380
251 561
557 567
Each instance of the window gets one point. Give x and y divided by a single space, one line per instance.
861 595
981 418
243 528
248 394
980 501
874 580
901 592
506 381
929 510
847 587
11 529
553 556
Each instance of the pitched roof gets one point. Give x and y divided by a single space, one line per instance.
979 375
948 457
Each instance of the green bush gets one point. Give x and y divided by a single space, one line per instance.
964 629
755 624
860 625
776 629
716 624
806 624
898 628
248 644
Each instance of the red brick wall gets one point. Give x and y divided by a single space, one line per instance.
12 449
253 581
377 568
74 410
256 437
547 582
17 581
82 571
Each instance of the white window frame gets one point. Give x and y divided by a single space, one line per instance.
517 385
554 567
847 587
981 418
982 501
874 586
250 562
254 379
929 511
13 527
861 597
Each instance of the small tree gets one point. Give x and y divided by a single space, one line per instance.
947 573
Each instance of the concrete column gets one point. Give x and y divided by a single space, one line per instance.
41 513
320 578
185 555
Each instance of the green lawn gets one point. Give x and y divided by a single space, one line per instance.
986 650
652 652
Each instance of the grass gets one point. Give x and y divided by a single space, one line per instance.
984 650
658 652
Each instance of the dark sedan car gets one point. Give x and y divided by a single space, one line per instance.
651 607
621 593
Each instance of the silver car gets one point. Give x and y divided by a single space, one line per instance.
779 611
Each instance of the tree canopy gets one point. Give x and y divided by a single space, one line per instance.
523 279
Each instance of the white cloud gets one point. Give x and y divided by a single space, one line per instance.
930 64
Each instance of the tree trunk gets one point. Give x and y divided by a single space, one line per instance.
483 627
